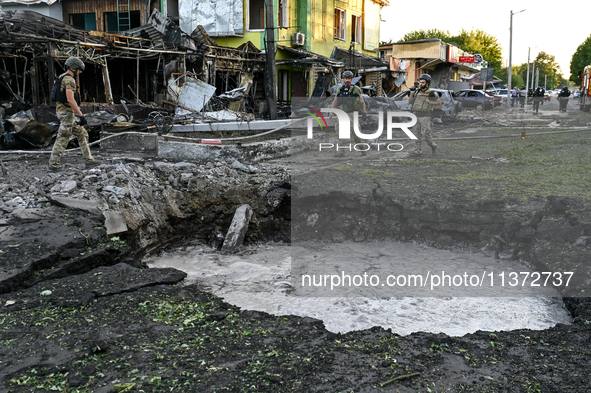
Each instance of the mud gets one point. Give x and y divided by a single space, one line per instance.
120 327
261 278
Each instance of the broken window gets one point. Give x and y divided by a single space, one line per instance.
339 24
256 15
356 29
111 25
84 21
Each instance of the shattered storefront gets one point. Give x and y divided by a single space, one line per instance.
34 48
236 73
146 66
302 73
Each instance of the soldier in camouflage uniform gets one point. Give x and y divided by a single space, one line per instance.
423 102
349 99
70 116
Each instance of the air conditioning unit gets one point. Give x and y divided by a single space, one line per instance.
298 39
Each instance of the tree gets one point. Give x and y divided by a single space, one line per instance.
477 41
516 79
547 65
550 69
424 34
581 58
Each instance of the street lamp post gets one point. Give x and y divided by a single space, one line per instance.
527 78
533 74
510 53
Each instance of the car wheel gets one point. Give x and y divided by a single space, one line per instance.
438 113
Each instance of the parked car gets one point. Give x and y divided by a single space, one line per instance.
476 98
577 94
448 109
548 95
503 93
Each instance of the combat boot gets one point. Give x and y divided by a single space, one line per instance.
93 163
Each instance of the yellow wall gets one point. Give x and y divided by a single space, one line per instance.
321 36
256 37
323 25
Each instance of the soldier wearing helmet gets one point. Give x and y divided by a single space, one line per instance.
349 99
423 102
70 116
563 99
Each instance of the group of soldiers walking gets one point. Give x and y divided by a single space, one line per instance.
424 101
538 95
349 98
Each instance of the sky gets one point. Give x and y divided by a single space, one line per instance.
552 27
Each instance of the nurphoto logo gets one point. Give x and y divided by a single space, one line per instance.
393 120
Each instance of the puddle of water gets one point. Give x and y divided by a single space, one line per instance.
259 278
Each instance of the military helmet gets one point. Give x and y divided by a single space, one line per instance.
75 62
348 74
426 77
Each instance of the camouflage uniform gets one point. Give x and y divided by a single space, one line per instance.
68 126
423 110
350 104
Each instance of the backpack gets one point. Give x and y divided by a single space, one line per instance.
59 95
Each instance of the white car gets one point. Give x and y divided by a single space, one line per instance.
504 93
448 109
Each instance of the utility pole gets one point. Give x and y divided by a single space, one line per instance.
533 74
510 70
527 78
270 81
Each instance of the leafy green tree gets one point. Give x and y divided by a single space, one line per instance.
548 67
581 58
424 34
516 79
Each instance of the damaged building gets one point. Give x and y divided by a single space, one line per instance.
144 53
138 66
409 59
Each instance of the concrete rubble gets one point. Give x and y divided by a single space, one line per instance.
137 194
238 228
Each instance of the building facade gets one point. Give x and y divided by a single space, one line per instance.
408 60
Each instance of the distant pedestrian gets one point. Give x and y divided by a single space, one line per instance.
537 97
70 116
522 94
563 99
514 96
